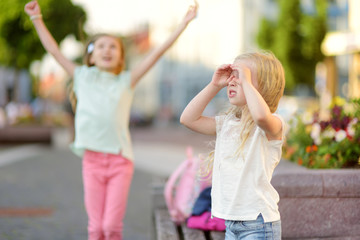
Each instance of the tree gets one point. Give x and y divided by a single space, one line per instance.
295 38
19 43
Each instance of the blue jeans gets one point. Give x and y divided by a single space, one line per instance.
251 230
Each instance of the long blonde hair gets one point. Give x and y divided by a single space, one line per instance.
270 77
86 60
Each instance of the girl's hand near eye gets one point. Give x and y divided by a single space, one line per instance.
242 73
222 76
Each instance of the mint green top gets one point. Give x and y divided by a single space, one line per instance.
102 112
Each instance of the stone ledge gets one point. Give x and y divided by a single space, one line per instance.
317 183
295 184
318 203
304 218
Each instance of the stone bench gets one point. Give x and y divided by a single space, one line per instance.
166 229
25 134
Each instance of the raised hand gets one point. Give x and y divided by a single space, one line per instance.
241 72
222 76
32 8
191 13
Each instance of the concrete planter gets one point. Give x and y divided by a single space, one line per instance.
318 204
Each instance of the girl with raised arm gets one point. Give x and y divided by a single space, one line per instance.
104 92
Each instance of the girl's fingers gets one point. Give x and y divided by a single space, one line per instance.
194 5
235 73
229 79
225 67
241 68
242 71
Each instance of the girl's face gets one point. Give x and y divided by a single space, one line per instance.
107 54
235 91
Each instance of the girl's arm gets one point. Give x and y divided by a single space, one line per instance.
192 115
258 108
33 10
151 59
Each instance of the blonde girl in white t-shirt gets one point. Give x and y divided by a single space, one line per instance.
104 92
249 138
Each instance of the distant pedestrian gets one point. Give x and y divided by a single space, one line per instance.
104 92
249 138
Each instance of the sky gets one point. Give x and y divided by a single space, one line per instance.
122 15
207 32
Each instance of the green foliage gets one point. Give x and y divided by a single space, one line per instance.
265 38
19 43
295 38
331 143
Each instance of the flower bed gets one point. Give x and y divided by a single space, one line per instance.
332 142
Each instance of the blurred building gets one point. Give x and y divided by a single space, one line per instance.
342 48
15 86
222 30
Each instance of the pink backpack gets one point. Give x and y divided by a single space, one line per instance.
183 187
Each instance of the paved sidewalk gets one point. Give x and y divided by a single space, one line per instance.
41 187
41 194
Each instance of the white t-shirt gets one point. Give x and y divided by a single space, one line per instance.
241 187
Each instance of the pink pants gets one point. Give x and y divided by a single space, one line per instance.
107 179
